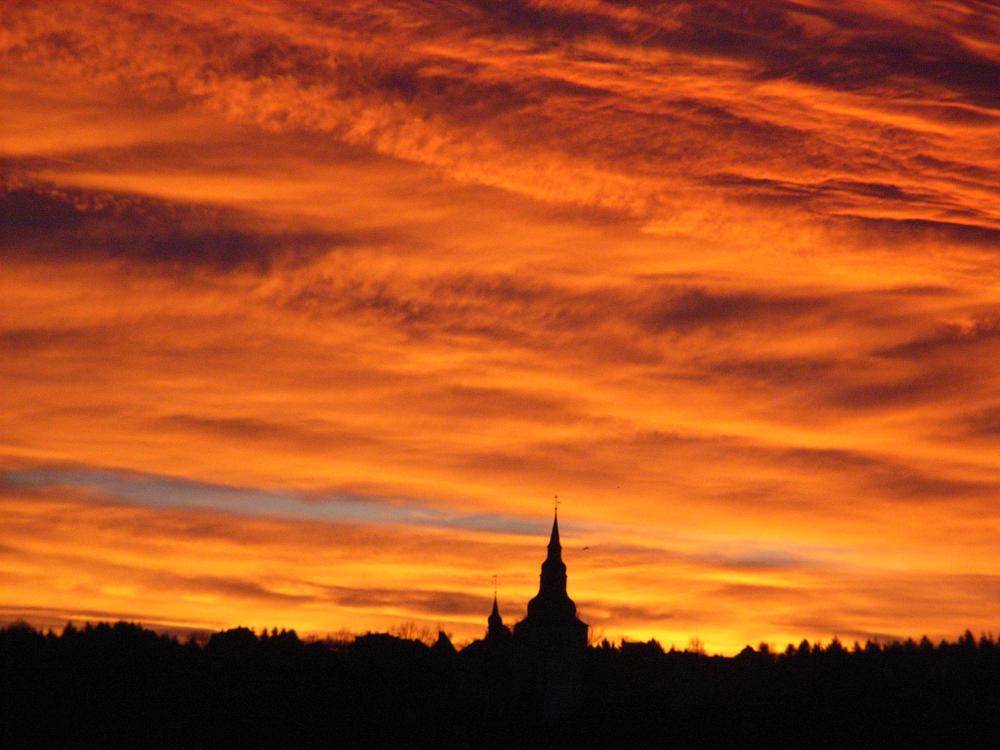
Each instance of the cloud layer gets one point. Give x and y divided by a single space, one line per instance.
319 296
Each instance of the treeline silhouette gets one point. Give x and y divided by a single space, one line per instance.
123 686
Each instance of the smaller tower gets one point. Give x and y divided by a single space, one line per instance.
496 629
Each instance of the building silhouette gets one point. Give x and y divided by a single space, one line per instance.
550 642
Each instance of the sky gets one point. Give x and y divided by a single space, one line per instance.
310 309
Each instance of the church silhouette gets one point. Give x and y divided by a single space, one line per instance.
547 648
536 685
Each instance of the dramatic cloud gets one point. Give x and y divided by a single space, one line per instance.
331 299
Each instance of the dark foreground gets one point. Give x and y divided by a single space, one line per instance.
121 686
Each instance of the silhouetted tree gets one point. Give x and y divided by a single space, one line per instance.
120 685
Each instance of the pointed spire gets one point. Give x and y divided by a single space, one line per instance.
494 620
495 626
552 603
555 548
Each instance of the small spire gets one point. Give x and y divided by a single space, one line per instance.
495 626
494 618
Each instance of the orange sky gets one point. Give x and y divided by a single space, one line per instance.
309 309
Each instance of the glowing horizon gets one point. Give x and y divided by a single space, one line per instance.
308 312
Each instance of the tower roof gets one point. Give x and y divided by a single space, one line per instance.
495 614
495 627
552 604
555 548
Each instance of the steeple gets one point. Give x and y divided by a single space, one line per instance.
552 602
552 640
495 620
555 549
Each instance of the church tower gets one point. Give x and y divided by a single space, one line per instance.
552 640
